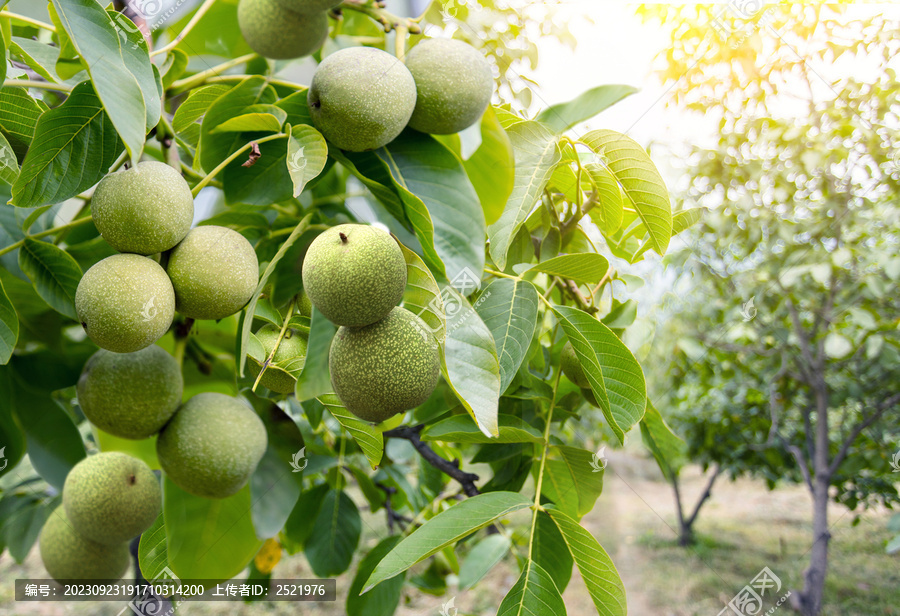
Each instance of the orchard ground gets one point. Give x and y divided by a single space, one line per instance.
742 529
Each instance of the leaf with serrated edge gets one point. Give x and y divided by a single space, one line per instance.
307 153
470 363
446 528
422 295
534 593
368 438
509 308
536 154
614 374
640 179
596 567
250 309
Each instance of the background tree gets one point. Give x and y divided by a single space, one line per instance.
501 261
803 185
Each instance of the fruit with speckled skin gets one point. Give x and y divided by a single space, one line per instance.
214 271
125 303
454 85
361 98
385 368
354 274
111 497
212 445
571 367
274 31
145 209
130 395
290 356
309 6
69 556
304 306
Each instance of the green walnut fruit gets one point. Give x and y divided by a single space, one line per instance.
361 98
125 303
571 367
385 368
214 271
454 85
304 306
111 497
354 274
274 31
145 209
290 356
130 395
309 6
69 556
212 445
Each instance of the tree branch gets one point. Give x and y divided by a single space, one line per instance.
705 495
411 434
857 430
804 469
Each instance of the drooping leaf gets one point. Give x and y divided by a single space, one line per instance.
667 448
470 362
609 211
369 439
440 202
563 116
274 492
54 272
536 154
250 309
546 551
74 146
315 379
446 528
461 429
9 327
307 153
382 600
9 166
585 268
533 593
153 555
585 476
256 118
96 39
422 295
136 55
208 539
614 374
40 57
335 535
486 553
596 567
640 180
492 167
510 310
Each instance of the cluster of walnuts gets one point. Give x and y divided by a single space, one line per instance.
361 98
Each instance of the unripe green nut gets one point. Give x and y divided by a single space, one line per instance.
290 356
571 367
111 497
361 98
130 395
145 209
69 556
274 31
354 274
125 303
385 368
453 83
212 445
214 271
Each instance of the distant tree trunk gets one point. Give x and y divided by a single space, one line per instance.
686 524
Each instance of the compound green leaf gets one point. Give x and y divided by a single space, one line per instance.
445 529
315 379
667 448
585 268
383 600
19 115
153 555
534 593
563 116
54 272
368 438
492 167
536 154
461 429
335 535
